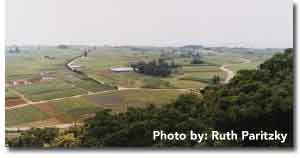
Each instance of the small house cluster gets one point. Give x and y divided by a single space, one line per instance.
48 75
44 76
19 82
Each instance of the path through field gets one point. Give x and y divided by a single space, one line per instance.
91 93
230 73
68 125
229 76
60 126
22 96
224 68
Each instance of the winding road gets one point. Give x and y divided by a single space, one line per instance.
229 75
69 65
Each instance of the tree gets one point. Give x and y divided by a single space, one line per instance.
34 138
196 60
216 79
153 68
17 50
66 141
85 53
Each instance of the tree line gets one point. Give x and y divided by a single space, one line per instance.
155 68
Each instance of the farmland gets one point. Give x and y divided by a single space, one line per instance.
49 90
74 109
42 90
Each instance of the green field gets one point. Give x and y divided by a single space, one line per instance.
98 64
97 84
73 109
9 94
31 63
133 98
49 90
255 62
23 115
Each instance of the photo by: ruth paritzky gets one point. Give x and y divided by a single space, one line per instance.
151 74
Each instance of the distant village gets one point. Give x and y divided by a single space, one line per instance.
42 77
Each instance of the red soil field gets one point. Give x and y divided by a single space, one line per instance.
46 108
14 102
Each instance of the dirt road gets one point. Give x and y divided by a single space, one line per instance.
60 126
229 73
65 126
87 94
22 96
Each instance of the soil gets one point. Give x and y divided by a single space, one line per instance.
46 108
14 102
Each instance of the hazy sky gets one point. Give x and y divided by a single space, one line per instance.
250 23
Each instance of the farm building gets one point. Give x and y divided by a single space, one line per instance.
19 82
75 67
47 78
47 73
121 69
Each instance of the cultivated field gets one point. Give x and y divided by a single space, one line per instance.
43 88
75 109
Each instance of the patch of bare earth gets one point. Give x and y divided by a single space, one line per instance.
46 108
50 111
105 72
14 102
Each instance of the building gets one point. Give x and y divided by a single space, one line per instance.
122 69
75 67
47 78
19 82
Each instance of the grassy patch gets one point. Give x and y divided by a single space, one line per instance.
197 76
249 66
49 90
91 85
156 83
145 97
118 101
73 108
23 115
9 94
182 84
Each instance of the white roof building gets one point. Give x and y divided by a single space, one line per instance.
121 69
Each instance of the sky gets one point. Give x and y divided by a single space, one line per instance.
243 23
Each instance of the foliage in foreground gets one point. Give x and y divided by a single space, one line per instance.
254 100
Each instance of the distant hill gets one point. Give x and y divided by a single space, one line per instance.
247 50
193 46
